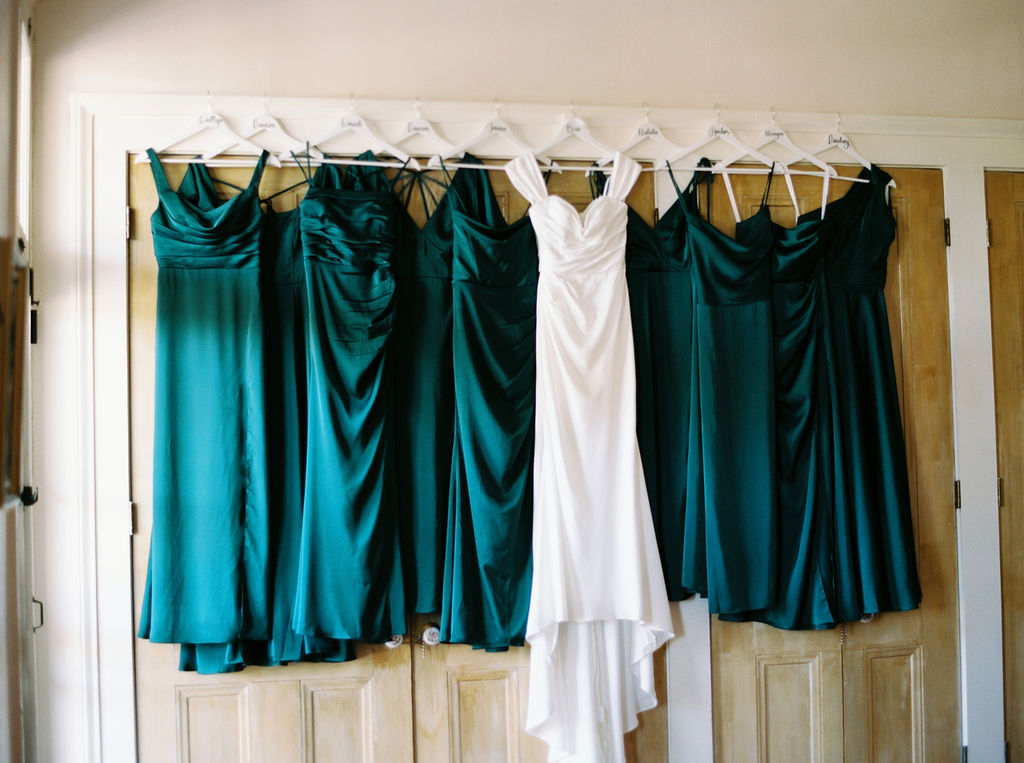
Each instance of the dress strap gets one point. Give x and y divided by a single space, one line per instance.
525 175
257 173
159 176
625 171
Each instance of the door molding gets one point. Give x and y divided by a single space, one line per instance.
90 325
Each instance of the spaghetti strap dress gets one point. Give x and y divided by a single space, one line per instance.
488 563
282 285
424 407
598 606
731 465
206 581
349 583
875 554
804 477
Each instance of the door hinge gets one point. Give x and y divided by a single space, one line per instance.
963 754
956 494
127 223
988 232
999 492
37 605
33 315
945 230
131 518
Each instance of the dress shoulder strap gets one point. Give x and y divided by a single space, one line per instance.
159 176
525 175
624 174
257 173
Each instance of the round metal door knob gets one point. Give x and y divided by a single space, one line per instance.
431 635
396 641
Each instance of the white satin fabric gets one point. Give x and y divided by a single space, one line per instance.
598 606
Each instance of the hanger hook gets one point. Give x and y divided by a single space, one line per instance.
497 108
647 111
718 113
772 110
419 112
572 108
838 121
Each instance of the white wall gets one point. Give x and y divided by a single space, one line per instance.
916 57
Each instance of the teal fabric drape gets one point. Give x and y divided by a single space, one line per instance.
206 581
488 567
730 488
350 579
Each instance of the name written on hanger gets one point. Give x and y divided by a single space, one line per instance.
650 131
416 127
210 120
717 131
264 123
573 127
348 123
839 140
774 133
494 128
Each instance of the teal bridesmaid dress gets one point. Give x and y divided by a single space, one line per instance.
488 568
350 578
207 581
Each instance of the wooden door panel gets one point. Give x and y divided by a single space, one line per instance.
875 678
1004 195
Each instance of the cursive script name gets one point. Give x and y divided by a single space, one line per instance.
716 131
350 122
210 120
494 127
839 140
264 123
572 128
414 127
647 132
773 132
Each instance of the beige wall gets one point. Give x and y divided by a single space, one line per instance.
913 57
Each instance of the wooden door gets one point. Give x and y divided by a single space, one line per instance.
431 704
1004 195
887 690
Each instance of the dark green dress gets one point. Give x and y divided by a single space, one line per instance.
876 568
424 401
349 578
207 578
806 590
731 455
488 567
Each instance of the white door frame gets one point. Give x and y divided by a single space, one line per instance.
93 325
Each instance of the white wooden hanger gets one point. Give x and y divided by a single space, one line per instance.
720 131
495 127
645 131
352 122
201 123
572 126
839 140
264 122
420 126
775 134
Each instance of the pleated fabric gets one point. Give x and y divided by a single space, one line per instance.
488 565
731 487
875 555
350 577
806 578
207 579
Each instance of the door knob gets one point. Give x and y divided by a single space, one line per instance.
431 635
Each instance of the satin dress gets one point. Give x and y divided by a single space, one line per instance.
598 606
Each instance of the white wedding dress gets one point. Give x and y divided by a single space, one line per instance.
598 606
